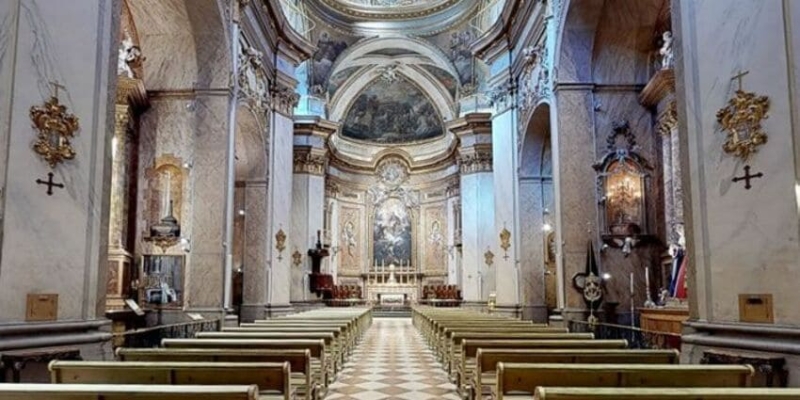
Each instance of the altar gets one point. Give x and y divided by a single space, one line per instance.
392 285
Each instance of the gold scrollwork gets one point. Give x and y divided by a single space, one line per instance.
741 120
55 128
505 241
280 243
488 258
297 258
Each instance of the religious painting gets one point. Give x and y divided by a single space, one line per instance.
624 208
328 50
350 239
390 112
449 81
435 239
392 233
339 78
162 280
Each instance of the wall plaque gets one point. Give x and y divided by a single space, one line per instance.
756 308
41 307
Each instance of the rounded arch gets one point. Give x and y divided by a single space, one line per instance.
184 43
536 157
598 43
250 148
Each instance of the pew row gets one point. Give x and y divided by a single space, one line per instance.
519 381
484 377
273 379
299 361
560 393
46 391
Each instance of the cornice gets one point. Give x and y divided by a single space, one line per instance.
475 123
308 160
290 44
132 92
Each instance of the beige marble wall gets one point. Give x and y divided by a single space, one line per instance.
56 244
256 249
280 207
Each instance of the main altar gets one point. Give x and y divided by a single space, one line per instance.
392 284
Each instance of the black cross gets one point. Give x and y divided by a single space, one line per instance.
49 182
747 177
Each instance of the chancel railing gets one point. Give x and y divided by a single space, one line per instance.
151 337
637 338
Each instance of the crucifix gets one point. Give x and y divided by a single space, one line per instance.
50 184
57 86
739 77
747 177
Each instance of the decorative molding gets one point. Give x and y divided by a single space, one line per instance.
668 119
280 243
332 189
132 92
308 161
661 85
475 159
502 97
251 76
741 120
283 99
535 82
54 127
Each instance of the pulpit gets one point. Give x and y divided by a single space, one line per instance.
319 283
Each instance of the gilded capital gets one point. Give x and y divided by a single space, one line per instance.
475 159
668 119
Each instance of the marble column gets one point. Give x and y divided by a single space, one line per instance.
742 243
575 189
506 212
478 234
281 160
56 244
119 257
308 196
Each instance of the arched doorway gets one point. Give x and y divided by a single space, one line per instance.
538 264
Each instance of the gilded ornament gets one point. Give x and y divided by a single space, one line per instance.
55 128
505 241
280 243
297 258
741 120
488 258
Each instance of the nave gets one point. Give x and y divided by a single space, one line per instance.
392 363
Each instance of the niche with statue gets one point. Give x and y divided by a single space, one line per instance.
622 184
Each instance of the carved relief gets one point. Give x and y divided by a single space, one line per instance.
478 159
350 239
534 81
251 76
668 120
435 241
284 99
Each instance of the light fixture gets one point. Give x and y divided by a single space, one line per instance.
547 227
241 213
606 276
187 165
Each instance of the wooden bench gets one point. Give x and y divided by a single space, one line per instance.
319 366
45 391
299 361
470 350
333 350
273 379
519 381
560 393
443 343
484 376
343 335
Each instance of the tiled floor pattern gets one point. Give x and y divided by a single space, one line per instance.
392 363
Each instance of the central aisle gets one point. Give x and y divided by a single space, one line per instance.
392 363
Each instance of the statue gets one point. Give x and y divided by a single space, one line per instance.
666 52
129 54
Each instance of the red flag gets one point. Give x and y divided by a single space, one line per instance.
680 284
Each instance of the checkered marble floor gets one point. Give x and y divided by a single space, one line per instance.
392 363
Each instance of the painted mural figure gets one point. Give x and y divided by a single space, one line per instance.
328 50
349 237
392 233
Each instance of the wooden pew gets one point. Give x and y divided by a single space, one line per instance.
519 381
319 363
46 391
299 361
273 379
484 376
333 355
560 393
345 336
470 350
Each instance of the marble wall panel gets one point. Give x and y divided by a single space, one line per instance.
55 244
574 59
352 239
8 44
574 177
506 213
532 244
256 244
281 173
741 241
308 194
478 229
433 239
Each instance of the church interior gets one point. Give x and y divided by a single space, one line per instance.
399 199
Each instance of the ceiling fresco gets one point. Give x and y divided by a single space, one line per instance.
392 112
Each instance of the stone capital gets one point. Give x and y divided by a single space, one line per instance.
309 160
668 119
472 124
132 92
475 159
283 99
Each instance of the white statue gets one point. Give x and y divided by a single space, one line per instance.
129 54
667 57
